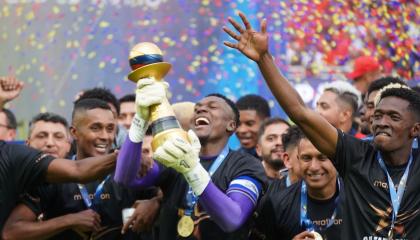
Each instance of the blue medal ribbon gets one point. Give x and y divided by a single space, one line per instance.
191 198
288 183
396 195
304 220
85 195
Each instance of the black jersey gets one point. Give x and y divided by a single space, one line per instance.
21 168
54 200
175 187
279 217
368 208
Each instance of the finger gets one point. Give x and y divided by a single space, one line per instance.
231 45
194 140
236 25
245 21
231 33
144 82
162 156
127 224
176 147
264 26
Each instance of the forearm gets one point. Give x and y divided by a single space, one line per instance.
230 211
35 230
94 168
128 166
284 92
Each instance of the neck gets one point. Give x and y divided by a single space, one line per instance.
80 155
399 156
210 148
346 127
270 171
325 193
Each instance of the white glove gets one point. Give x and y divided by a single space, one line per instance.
149 92
183 157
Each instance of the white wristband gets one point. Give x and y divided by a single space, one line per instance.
137 129
198 179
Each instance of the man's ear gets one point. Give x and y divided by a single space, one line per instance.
415 130
286 160
73 132
231 127
258 149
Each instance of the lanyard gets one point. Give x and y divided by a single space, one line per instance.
85 195
288 180
304 220
396 195
190 197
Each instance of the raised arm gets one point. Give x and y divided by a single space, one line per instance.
254 45
148 93
83 171
23 224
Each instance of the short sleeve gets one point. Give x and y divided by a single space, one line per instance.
349 152
30 165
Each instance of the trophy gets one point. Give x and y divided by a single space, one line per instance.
146 61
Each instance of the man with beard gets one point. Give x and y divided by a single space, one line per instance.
270 147
71 210
253 110
374 208
209 191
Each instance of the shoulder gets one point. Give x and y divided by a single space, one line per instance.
244 164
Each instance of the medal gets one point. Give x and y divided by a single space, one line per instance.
185 226
317 236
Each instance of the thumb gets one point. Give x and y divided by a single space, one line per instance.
195 142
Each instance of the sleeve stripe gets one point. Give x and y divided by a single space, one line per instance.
247 186
253 200
244 189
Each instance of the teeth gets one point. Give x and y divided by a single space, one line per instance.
201 120
101 146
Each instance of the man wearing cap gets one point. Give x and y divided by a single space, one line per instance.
366 69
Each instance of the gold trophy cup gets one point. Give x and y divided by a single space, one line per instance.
146 61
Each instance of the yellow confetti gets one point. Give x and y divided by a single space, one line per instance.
56 10
30 15
91 55
102 65
62 103
103 24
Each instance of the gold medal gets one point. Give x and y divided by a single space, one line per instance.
317 236
185 226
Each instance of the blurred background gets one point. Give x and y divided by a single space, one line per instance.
60 47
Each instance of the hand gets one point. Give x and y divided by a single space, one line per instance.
304 236
251 43
149 92
145 165
144 216
178 154
85 221
10 88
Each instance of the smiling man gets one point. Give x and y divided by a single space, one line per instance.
283 215
209 190
253 110
71 210
374 208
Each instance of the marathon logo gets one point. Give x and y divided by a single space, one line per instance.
381 238
104 196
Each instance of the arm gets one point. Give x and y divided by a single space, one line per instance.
10 89
23 224
254 45
229 211
129 159
86 170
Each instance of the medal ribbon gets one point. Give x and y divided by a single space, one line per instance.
288 180
396 195
304 220
98 191
191 198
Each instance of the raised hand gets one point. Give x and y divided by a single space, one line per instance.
149 92
85 221
251 43
10 88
